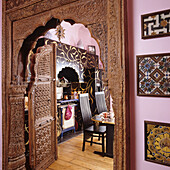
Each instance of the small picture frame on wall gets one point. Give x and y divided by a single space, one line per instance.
91 49
153 75
157 142
155 24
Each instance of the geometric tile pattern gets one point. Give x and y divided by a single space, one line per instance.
156 24
153 75
157 142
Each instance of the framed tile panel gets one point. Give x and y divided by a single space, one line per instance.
153 75
156 24
157 142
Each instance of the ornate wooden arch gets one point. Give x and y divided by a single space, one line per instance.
106 19
29 44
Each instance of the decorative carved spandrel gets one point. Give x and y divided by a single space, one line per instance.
100 32
16 48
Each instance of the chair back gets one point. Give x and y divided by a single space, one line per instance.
100 102
85 110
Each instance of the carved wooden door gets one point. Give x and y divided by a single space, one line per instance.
42 109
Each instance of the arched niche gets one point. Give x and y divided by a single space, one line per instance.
69 73
106 19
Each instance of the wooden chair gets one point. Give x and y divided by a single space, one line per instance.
100 102
88 127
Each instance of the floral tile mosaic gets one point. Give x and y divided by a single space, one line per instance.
153 75
157 142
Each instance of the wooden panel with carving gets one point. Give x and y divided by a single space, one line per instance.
118 80
100 32
41 135
47 4
44 66
42 124
43 143
42 100
10 4
16 148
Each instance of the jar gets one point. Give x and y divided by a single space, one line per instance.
75 95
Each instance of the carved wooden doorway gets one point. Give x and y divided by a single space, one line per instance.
42 109
107 22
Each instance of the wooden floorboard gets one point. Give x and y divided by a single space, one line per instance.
71 156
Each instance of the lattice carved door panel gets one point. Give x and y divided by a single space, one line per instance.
42 112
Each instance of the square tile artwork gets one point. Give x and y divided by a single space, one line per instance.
153 75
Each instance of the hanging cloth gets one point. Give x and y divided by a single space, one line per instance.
68 113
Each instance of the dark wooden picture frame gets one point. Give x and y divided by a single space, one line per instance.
157 139
153 75
152 24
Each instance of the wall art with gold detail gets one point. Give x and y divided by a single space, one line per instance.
156 24
153 75
157 142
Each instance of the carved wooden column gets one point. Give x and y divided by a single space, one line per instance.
16 144
118 80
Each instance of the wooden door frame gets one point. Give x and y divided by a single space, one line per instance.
107 21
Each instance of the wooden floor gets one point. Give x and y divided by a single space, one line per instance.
71 157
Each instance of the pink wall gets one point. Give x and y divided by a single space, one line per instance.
76 35
0 85
144 108
73 34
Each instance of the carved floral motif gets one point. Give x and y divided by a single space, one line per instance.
15 3
10 4
16 147
16 129
100 33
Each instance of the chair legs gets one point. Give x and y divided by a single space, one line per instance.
83 142
91 140
99 137
102 144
